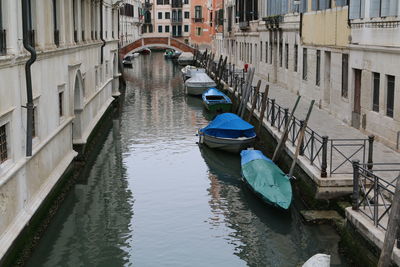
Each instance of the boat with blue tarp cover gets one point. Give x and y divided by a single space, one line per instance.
266 179
215 100
228 132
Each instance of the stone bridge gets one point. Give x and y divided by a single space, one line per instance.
149 42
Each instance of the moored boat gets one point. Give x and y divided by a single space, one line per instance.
145 51
215 100
186 58
198 83
189 70
228 132
266 179
127 61
169 53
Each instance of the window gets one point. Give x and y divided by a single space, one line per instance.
186 2
271 50
318 69
296 56
166 2
280 54
151 28
187 14
286 56
390 96
375 94
159 28
198 31
305 64
159 15
261 51
61 104
3 144
345 74
166 28
266 52
197 12
186 28
3 45
160 2
83 19
251 54
167 15
55 23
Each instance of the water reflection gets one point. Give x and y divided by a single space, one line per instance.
154 198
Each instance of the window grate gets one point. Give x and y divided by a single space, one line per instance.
3 144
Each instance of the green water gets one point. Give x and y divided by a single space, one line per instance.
153 198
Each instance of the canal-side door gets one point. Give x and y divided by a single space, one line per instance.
357 99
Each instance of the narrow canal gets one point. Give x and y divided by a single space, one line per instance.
154 198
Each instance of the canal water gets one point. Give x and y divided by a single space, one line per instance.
153 197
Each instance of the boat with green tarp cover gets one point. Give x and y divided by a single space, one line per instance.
266 179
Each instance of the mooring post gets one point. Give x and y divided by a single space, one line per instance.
273 112
301 153
324 163
370 151
254 102
356 177
264 101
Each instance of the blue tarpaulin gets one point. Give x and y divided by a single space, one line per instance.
229 125
249 155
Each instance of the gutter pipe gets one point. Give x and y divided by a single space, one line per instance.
101 33
28 77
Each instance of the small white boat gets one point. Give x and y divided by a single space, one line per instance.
190 70
318 260
198 83
228 132
186 58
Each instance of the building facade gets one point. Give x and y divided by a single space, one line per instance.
167 18
130 19
343 57
74 79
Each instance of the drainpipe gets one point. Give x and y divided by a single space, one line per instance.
101 32
28 77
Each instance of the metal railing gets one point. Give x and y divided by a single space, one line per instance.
3 42
372 194
198 19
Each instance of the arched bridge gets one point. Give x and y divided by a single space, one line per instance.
149 42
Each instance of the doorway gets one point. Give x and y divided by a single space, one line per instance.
357 99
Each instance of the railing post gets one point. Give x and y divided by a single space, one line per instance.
370 151
302 142
294 131
376 199
356 177
324 163
286 116
312 148
273 112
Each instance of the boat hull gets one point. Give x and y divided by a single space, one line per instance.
233 145
222 107
196 90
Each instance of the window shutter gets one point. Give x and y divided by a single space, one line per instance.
385 11
374 8
285 6
314 5
394 8
355 6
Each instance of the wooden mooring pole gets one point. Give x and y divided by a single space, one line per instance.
285 134
264 101
301 137
392 229
254 102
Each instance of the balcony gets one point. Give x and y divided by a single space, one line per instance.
176 21
176 4
3 42
198 20
244 25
